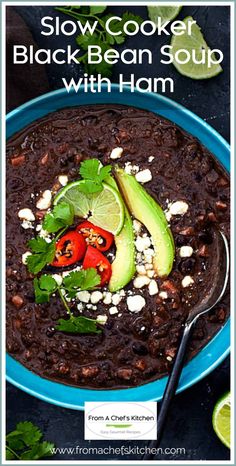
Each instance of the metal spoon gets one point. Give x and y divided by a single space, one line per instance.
212 295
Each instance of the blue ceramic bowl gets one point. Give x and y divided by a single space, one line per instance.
218 348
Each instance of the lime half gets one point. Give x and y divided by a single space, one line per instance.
166 13
193 43
104 209
221 419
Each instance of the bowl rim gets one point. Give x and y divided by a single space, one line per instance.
51 389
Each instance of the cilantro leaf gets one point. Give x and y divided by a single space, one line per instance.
90 187
78 324
93 173
80 280
87 39
37 245
100 36
97 10
43 288
72 282
61 216
24 443
38 451
43 254
30 433
9 455
104 172
90 279
89 169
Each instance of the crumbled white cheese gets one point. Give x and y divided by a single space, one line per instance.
141 269
113 310
45 235
63 180
45 201
131 169
150 273
135 303
187 281
137 226
144 176
148 259
163 295
107 297
102 319
152 288
178 208
96 296
39 227
26 214
83 296
148 267
185 251
140 281
169 358
151 158
58 278
26 224
168 215
116 299
24 257
80 307
149 252
142 243
121 292
116 153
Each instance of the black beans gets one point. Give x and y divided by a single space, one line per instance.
50 331
205 237
139 348
187 265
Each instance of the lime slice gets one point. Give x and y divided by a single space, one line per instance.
167 13
104 209
221 419
195 42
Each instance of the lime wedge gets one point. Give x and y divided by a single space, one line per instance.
166 13
104 209
195 42
221 419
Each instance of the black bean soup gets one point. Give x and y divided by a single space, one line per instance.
133 347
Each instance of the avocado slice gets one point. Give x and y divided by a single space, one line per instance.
123 266
145 209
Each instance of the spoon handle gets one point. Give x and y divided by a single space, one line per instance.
171 385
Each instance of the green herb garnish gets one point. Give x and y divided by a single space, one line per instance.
61 216
82 279
24 443
100 36
94 174
78 324
43 254
46 285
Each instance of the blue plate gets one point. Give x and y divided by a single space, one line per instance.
218 348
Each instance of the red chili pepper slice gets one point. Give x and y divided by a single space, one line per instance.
69 249
96 236
94 258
